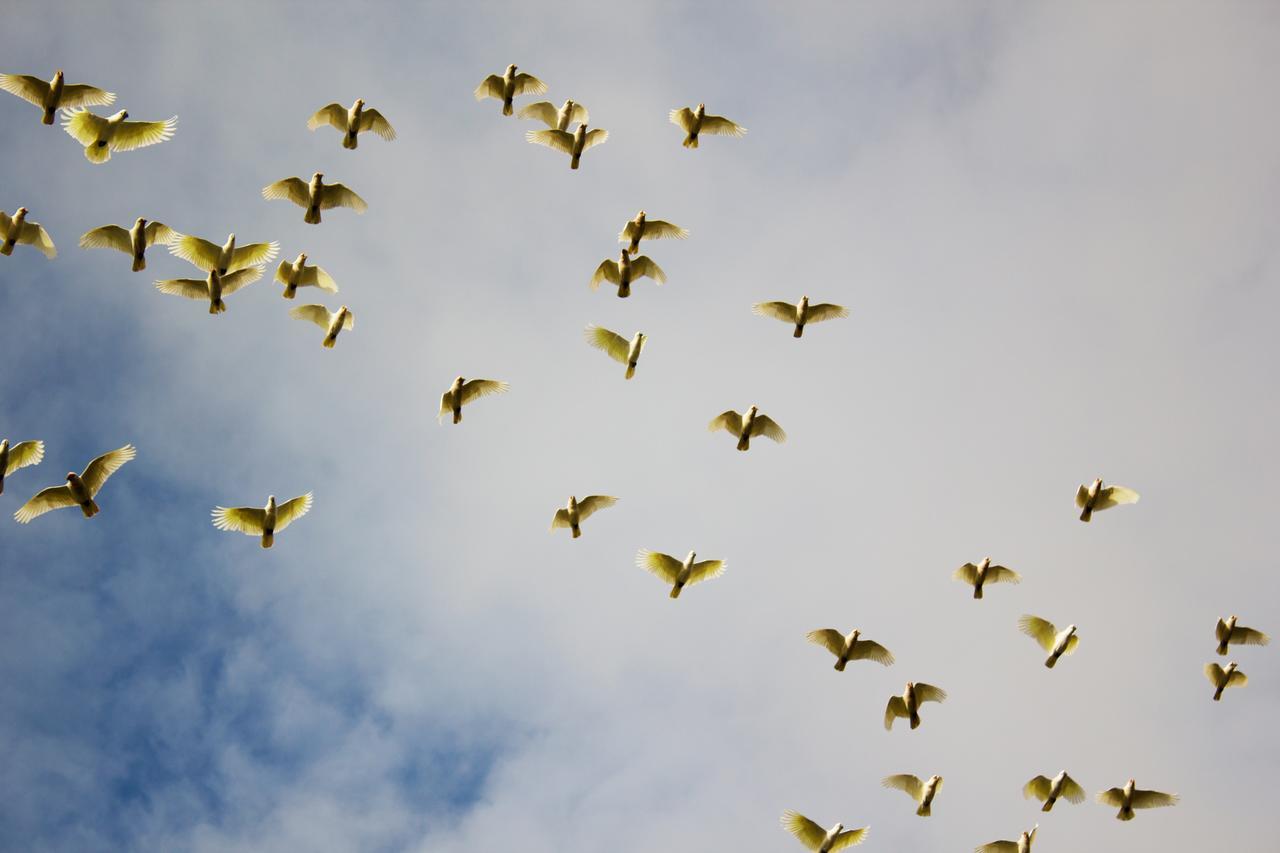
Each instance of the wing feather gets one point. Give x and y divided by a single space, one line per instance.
249 520
290 511
157 232
490 87
231 282
542 111
84 95
611 343
334 115
768 427
1115 496
194 250
663 565
682 118
1040 630
607 271
82 125
1038 788
967 573
190 288
642 267
338 195
46 500
1152 799
907 783
34 234
784 311
829 638
1242 636
595 137
139 134
100 469
558 140
1113 797
825 311
849 838
870 650
1072 792
373 120
31 89
896 709
721 126
929 693
24 454
705 570
1001 574
295 190
560 519
591 504
809 833
317 277
108 237
527 84
253 254
729 421
477 388
317 314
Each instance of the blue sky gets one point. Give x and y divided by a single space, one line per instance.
1054 226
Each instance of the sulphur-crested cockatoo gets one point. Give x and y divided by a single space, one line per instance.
79 490
745 427
850 646
822 840
908 704
101 135
625 270
464 391
984 573
266 521
922 791
679 574
352 122
1130 797
507 86
577 511
617 347
134 241
644 228
56 94
314 196
1056 643
695 122
801 314
1095 496
1049 791
16 229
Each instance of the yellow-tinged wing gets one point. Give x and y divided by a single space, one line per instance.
1040 630
589 505
334 115
290 511
249 520
643 266
446 404
1072 792
23 455
200 253
316 276
849 838
1001 574
809 833
30 89
825 311
1214 673
543 111
254 254
967 573
607 271
490 87
1237 679
191 288
84 95
139 134
829 638
560 140
657 229
83 126
1115 496
33 234
1072 642
784 311
292 189
729 421
1082 496
595 137
317 314
1242 636
231 282
1219 630
721 126
911 785
896 708
768 427
1038 788
682 118
527 84
663 565
477 388
929 693
157 232
54 497
104 466
1113 797
870 650
1152 799
560 519
338 195
373 120
5 221
107 237
616 346
705 571
578 114
998 847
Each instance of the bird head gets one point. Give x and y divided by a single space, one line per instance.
935 779
641 337
457 383
1231 666
640 215
72 476
1097 482
1130 783
837 829
317 176
702 107
911 686
692 556
753 410
342 310
140 222
58 75
359 103
804 300
854 634
22 211
1071 629
511 69
1233 618
302 258
4 444
568 104
123 114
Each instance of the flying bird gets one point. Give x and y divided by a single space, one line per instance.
821 840
214 287
133 242
462 392
908 704
625 270
679 574
984 573
748 426
315 196
1129 798
1048 791
1097 497
332 323
508 86
1022 845
352 122
1229 633
801 313
556 119
1221 678
297 274
101 135
16 229
572 144
1056 643
226 258
79 490
851 646
643 228
617 347
695 122
921 792
55 94
575 512
21 455
262 521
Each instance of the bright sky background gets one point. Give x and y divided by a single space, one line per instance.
1055 225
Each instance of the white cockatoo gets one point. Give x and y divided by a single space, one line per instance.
16 229
213 288
908 704
695 122
352 122
801 314
332 322
266 521
134 241
21 455
679 574
822 840
984 573
617 347
464 391
556 119
644 228
572 144
1095 496
850 646
922 791
227 258
1022 845
625 270
1049 791
56 94
577 511
1221 678
1231 634
297 273
79 490
745 427
507 86
314 196
101 135
1056 643
1130 797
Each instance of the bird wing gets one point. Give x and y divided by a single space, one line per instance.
349 322
139 134
231 282
317 277
784 311
967 573
1214 673
1248 637
491 87
905 782
1082 496
334 115
1113 797
682 118
30 89
870 650
107 237
96 474
33 234
595 137
477 388
157 232
768 427
896 708
1040 630
5 221
54 497
1220 630
84 95
561 519
825 311
729 421
929 693
998 847
611 343
721 126
1152 799
1115 496
249 520
373 120
655 229
705 570
23 455
293 189
82 125
560 140
643 266
829 638
527 84
1237 679
663 565
809 833
282 272
591 503
317 314
1072 642
253 254
446 404
290 511
849 838
200 253
1072 791
338 195
1001 574
1038 787
607 271
628 231
543 111
191 288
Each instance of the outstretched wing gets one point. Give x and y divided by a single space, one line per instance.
446 404
663 565
870 650
721 126
317 277
607 271
338 195
317 314
477 388
829 638
784 311
33 234
559 140
290 511
54 497
490 87
594 138
334 115
967 573
616 346
543 111
23 455
705 571
157 232
249 520
1072 642
849 838
590 504
1237 679
682 118
1214 673
825 311
642 267
1152 799
1038 788
1115 496
84 95
292 189
104 466
896 708
373 120
253 254
231 282
30 89
1072 791
1040 630
107 237
768 427
527 84
998 847
929 693
560 519
656 229
1000 574
139 134
1082 496
1113 797
200 253
1248 637
82 125
905 782
809 833
729 421
191 288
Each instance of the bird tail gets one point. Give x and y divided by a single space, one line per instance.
799 332
977 592
290 291
1 482
506 107
1086 514
690 142
624 290
1222 647
577 531
97 153
925 810
217 306
90 509
349 141
634 247
1125 814
48 115
631 370
1217 695
139 263
840 664
573 164
1048 805
744 442
313 216
915 721
7 248
457 415
1050 661
675 590
329 342
268 537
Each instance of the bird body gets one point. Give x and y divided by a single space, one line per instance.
643 228
18 456
908 704
1130 797
297 273
1049 790
1022 845
314 196
463 391
984 573
214 287
506 87
1221 678
921 791
851 646
820 840
1095 496
575 512
1229 633
801 313
625 270
744 427
101 135
617 347
79 490
679 573
264 522
224 259
332 323
556 119
134 242
16 229
572 144
696 121
352 122
1056 643
55 94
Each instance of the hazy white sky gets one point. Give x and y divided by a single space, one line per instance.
1055 227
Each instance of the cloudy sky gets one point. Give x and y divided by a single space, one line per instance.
1055 225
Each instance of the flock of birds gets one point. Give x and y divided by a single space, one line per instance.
230 267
